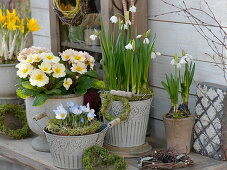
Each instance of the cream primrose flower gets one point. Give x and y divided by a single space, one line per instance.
78 56
67 54
132 9
38 78
67 83
29 59
24 69
114 19
89 60
45 67
36 58
129 46
79 68
21 58
59 70
93 37
50 58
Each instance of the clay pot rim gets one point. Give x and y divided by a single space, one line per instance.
8 65
61 96
61 136
191 116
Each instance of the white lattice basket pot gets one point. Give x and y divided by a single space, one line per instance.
132 132
67 151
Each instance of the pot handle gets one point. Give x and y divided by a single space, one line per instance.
114 122
40 116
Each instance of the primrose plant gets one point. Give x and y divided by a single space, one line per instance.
180 82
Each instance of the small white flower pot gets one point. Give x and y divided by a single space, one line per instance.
132 132
8 81
88 41
67 151
39 143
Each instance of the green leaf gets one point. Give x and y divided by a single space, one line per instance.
99 84
20 94
27 85
40 99
29 92
92 73
58 84
53 92
69 72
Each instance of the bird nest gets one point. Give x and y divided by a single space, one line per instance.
165 159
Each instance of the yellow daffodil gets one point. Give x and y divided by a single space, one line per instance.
21 27
33 25
45 67
67 83
38 78
59 70
2 17
79 68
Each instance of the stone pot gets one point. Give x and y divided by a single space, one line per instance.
8 75
39 143
88 41
67 151
179 133
132 132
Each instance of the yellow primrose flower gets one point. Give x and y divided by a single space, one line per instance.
67 83
38 78
78 56
45 67
50 58
66 55
33 25
24 70
36 58
59 70
79 68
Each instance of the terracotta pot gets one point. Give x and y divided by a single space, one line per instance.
39 143
179 133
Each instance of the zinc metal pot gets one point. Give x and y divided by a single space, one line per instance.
8 79
179 133
67 151
132 132
39 143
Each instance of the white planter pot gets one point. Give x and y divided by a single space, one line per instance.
67 151
132 132
8 75
39 143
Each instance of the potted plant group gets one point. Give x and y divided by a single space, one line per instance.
179 121
13 34
47 80
125 62
71 132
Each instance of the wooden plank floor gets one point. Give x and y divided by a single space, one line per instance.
22 152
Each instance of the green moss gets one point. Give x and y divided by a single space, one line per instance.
54 128
19 112
99 156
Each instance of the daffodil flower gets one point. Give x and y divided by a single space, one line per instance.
33 25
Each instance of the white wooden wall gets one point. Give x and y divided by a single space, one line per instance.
171 38
40 11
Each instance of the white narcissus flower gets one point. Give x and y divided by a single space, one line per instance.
45 67
153 55
93 37
125 26
58 70
129 46
178 65
132 9
78 56
114 19
67 54
146 41
139 36
188 57
50 58
158 54
67 83
61 112
172 62
24 69
79 68
38 78
183 61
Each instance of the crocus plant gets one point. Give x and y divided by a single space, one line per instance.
73 120
126 56
177 81
42 73
13 33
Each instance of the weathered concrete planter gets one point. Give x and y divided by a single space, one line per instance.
8 75
132 132
39 143
67 151
179 133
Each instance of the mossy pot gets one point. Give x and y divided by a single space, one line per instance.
67 151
